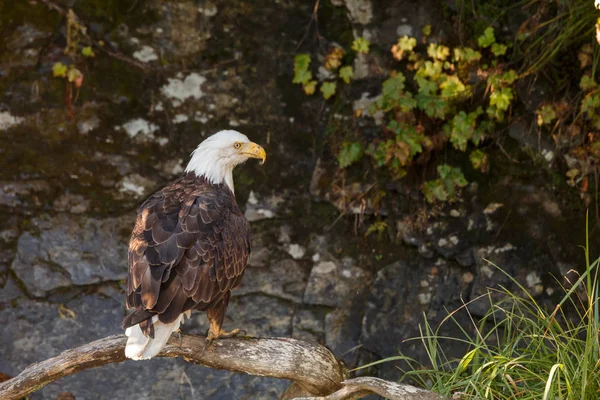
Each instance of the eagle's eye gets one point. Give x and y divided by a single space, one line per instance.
237 145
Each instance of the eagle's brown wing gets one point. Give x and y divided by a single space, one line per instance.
189 247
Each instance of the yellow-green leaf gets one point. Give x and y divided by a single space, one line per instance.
545 115
438 51
301 62
361 45
499 49
487 39
346 73
328 89
59 70
587 83
302 76
309 87
87 51
73 74
301 73
465 361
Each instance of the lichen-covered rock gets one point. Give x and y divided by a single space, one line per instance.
256 314
391 308
285 279
62 251
9 291
308 325
333 284
343 330
263 208
23 193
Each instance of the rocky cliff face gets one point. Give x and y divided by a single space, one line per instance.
170 74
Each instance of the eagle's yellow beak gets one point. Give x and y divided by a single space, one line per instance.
255 151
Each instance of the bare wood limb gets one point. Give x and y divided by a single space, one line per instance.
311 365
358 387
313 369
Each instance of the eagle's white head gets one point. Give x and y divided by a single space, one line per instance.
216 157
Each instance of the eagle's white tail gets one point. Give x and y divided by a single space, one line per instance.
140 347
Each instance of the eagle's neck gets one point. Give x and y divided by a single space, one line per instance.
216 170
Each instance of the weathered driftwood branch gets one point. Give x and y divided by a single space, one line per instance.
358 387
313 368
309 364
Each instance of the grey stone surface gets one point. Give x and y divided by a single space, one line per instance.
258 208
390 307
343 331
308 325
257 314
333 284
23 194
62 251
285 279
9 290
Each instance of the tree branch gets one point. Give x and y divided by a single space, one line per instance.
358 387
313 368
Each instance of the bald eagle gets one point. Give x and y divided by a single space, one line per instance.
189 247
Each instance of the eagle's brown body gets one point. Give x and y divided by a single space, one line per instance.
188 250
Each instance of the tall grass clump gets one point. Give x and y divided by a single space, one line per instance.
521 349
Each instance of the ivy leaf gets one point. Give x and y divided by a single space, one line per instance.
501 98
406 102
392 86
510 76
434 190
589 104
328 89
405 44
346 73
334 58
461 129
452 87
499 49
545 115
426 87
378 227
466 54
351 152
484 127
434 107
431 69
302 76
587 83
479 160
310 87
87 52
438 52
59 70
487 39
301 73
361 45
301 62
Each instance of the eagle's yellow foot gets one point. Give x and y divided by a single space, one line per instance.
224 334
220 335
